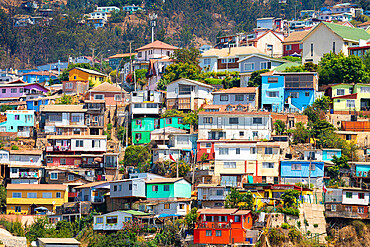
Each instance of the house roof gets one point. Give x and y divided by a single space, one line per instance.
26 152
265 33
284 66
89 71
40 73
237 90
157 44
63 241
348 96
346 33
367 23
62 108
89 185
264 56
122 55
296 36
222 110
134 212
163 180
242 212
192 81
210 186
168 130
36 187
63 137
233 51
218 211
107 87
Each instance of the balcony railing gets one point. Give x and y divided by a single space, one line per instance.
58 148
24 175
214 225
345 214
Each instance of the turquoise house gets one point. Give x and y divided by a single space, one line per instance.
168 188
362 169
141 127
18 121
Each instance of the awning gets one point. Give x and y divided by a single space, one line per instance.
167 215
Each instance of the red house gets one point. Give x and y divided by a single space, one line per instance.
112 95
223 226
292 43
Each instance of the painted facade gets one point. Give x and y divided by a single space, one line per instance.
348 97
167 188
19 121
17 90
80 74
297 171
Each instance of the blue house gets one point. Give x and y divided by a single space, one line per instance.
39 76
295 171
362 169
34 104
288 92
326 154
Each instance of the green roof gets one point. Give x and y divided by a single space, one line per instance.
348 33
283 66
134 212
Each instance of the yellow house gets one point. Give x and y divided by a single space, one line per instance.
25 198
80 74
268 156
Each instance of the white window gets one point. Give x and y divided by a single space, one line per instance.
296 167
207 61
99 220
96 143
350 103
364 89
340 92
224 97
76 118
53 175
17 194
223 151
117 97
98 96
294 95
272 94
58 195
79 143
228 60
257 120
265 65
231 165
289 47
268 150
239 97
47 195
249 67
267 165
208 120
69 85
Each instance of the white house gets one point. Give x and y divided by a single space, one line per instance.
330 37
164 208
25 157
4 157
128 188
211 195
145 103
107 9
188 95
155 50
233 122
114 221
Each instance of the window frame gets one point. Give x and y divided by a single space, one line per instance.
249 70
52 177
17 193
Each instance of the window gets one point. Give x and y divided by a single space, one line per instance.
237 150
255 134
241 133
167 206
166 187
257 120
18 209
53 175
208 233
138 136
230 60
350 103
21 90
224 97
219 192
348 194
333 47
272 79
253 150
294 95
17 194
47 195
98 96
340 92
58 195
333 208
71 177
155 188
138 122
207 120
79 143
120 187
99 220
301 46
115 187
365 89
272 94
77 131
361 195
289 47
239 97
50 160
236 218
69 85
251 97
307 94
360 210
268 150
3 90
96 143
63 161
231 165
311 50
223 151
249 67
218 233
209 218
13 90
233 120
296 167
117 97
267 165
112 219
207 61
265 65
348 208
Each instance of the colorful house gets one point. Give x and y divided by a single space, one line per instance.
25 198
19 121
114 221
112 95
17 89
39 76
300 171
223 227
92 76
348 97
36 103
292 44
93 192
167 188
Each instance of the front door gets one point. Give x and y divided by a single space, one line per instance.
33 206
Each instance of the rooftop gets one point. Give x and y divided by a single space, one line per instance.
237 90
62 241
36 187
233 51
26 152
107 87
157 44
193 81
122 55
62 108
163 180
296 36
89 185
89 71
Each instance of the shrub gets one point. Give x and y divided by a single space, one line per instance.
275 237
295 235
306 222
299 224
359 227
285 225
315 225
109 126
15 147
290 211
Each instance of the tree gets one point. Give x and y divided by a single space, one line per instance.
307 67
321 126
191 218
280 127
293 59
256 80
236 200
183 169
186 36
337 68
137 156
181 70
2 197
190 56
300 133
65 100
191 118
290 198
334 171
172 113
5 108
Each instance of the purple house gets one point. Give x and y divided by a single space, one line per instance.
18 89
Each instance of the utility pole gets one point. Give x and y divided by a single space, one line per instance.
153 23
101 62
93 59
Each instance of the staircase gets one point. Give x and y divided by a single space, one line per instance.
314 214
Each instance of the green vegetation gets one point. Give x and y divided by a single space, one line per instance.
14 147
138 156
256 80
306 67
5 108
65 100
280 127
183 169
285 225
237 200
191 218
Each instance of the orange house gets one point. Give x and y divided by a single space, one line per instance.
222 226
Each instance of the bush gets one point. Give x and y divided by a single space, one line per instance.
275 237
290 211
295 235
285 225
213 81
15 147
315 225
299 224
359 227
306 222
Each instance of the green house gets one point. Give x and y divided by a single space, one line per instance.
349 97
141 127
168 188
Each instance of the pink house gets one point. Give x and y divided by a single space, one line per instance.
112 95
17 89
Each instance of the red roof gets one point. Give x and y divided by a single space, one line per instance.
349 96
222 110
237 90
40 73
157 44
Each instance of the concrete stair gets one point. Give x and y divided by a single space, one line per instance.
314 214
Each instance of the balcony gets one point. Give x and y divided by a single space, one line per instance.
98 199
213 225
91 165
25 175
58 148
345 214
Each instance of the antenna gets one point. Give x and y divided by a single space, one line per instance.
153 23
